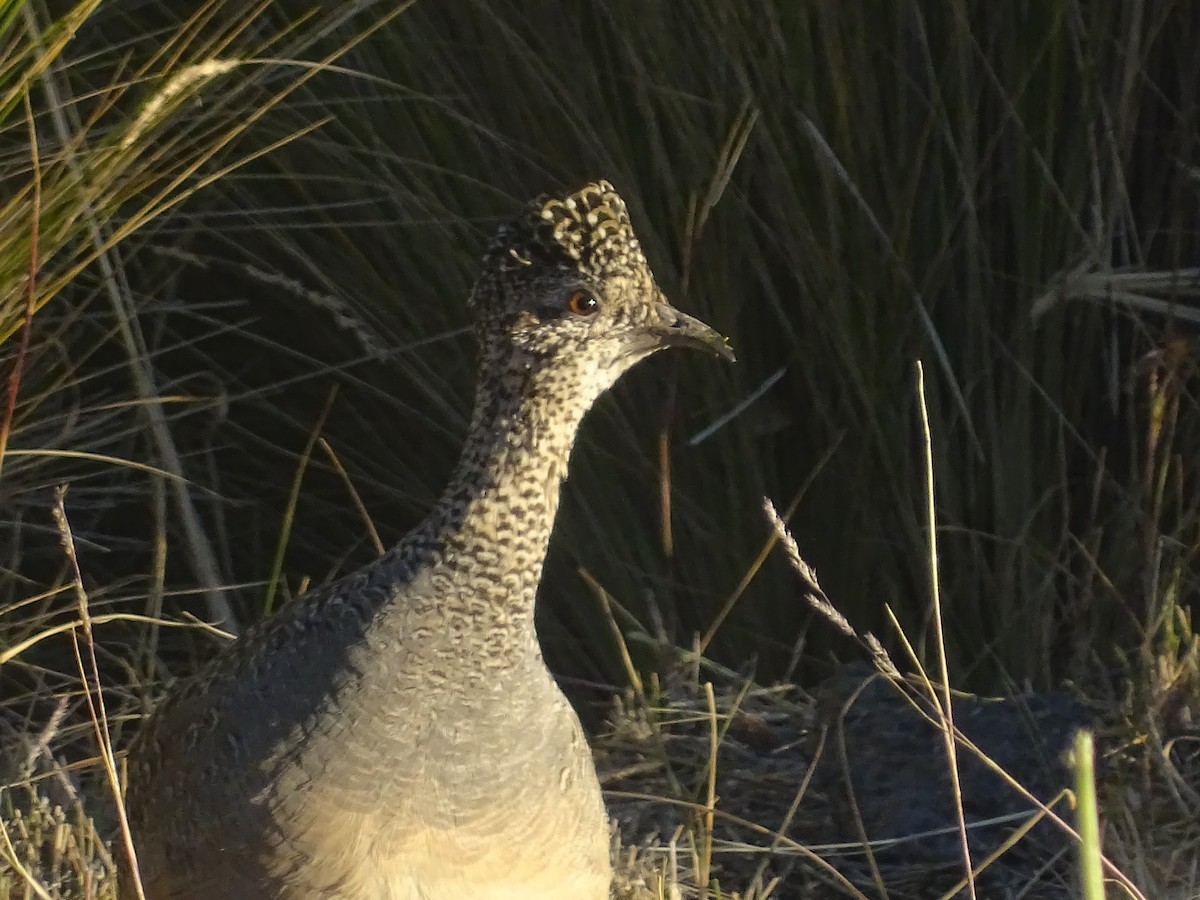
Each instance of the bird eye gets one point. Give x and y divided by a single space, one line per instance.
583 303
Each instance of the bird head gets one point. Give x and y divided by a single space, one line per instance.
566 289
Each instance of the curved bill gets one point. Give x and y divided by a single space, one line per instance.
676 329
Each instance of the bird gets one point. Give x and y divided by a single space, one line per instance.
396 734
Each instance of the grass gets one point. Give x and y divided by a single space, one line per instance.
235 246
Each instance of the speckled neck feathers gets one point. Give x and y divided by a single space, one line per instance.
535 384
487 538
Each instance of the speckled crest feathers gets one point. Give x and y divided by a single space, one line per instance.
587 231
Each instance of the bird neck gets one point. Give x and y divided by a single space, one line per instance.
504 492
487 537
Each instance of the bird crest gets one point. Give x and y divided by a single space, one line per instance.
587 231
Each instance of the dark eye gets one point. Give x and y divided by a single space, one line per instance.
583 303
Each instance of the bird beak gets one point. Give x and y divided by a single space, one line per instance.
675 329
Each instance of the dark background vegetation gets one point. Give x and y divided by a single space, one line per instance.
1004 191
235 247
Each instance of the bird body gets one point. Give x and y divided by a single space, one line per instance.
397 735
